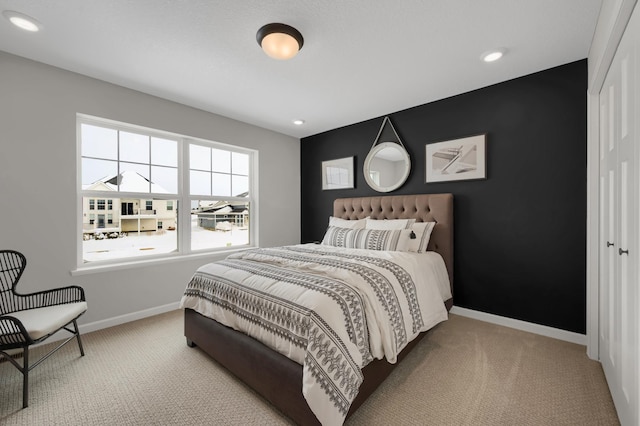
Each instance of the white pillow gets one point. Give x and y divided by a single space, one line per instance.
344 223
389 223
423 231
370 239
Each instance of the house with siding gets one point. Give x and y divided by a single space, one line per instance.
101 215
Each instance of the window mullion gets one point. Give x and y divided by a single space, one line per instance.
184 206
151 178
118 171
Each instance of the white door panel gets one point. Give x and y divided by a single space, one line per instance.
619 337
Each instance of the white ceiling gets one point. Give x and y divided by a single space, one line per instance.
361 58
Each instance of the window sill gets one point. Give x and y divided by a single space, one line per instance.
117 266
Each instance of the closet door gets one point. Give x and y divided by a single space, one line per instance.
609 294
619 232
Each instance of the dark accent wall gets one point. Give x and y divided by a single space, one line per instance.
520 235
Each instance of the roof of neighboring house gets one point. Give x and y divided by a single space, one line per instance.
128 181
220 207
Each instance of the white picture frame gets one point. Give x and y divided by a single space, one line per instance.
338 173
457 159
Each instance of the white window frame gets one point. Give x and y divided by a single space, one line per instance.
183 197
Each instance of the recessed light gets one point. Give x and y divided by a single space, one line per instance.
22 21
493 55
298 122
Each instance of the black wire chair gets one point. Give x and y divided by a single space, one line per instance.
27 319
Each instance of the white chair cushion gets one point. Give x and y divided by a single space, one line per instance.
42 321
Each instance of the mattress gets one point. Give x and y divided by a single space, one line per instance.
330 309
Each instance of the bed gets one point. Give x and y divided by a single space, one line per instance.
280 379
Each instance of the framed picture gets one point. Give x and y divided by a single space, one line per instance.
337 174
458 159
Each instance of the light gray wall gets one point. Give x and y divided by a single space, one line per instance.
38 106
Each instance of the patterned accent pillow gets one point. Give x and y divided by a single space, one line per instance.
344 223
369 239
389 223
423 232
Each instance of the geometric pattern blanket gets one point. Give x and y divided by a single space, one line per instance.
331 310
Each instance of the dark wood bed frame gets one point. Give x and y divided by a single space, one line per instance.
279 379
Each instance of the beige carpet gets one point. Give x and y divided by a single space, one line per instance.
465 372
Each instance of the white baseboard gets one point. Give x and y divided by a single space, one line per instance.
110 322
543 330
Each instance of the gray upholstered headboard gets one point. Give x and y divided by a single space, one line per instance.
422 207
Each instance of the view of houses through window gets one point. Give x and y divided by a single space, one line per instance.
131 197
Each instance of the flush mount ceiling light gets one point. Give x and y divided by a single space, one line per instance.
298 122
492 55
22 21
280 41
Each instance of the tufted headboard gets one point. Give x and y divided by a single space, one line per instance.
422 207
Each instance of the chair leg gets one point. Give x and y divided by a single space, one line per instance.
25 375
75 325
26 367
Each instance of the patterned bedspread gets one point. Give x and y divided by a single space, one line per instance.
330 309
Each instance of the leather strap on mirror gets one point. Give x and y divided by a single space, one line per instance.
386 120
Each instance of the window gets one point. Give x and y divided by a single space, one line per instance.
127 208
218 172
143 176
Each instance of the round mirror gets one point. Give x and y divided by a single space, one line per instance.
387 166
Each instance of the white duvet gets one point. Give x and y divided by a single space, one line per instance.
330 309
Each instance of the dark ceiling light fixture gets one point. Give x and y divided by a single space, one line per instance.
280 41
